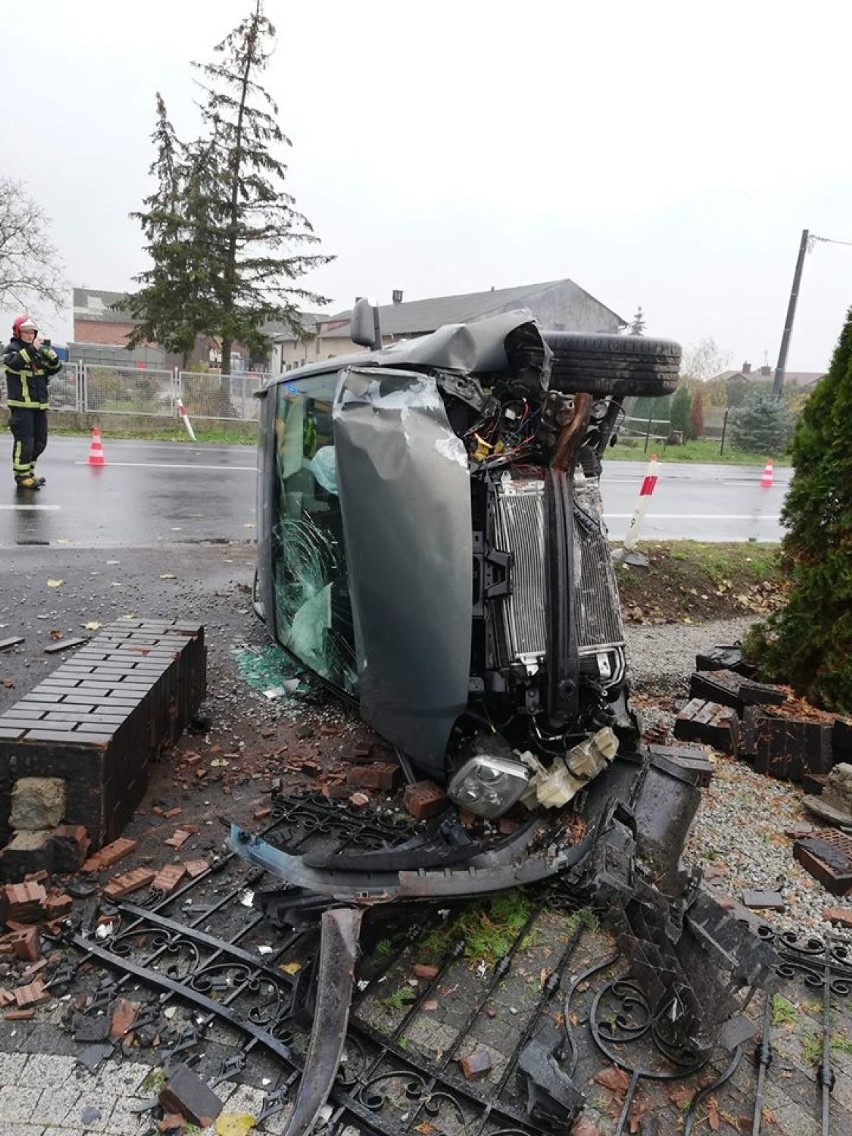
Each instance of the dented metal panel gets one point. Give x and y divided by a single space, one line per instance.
405 499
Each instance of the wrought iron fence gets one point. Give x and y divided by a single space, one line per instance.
103 389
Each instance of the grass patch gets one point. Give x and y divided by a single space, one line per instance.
400 998
783 1012
699 450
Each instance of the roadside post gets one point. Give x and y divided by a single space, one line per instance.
628 554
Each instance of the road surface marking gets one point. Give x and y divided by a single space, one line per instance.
32 508
697 517
170 465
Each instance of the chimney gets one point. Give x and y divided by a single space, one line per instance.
397 295
766 370
746 368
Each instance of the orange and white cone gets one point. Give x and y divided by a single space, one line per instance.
96 449
766 480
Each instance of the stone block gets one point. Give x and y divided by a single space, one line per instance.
26 853
37 802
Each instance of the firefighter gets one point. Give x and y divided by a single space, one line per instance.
28 367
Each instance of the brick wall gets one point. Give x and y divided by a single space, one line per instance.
92 331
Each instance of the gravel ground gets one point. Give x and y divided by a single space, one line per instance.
741 834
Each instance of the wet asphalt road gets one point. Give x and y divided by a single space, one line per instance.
152 494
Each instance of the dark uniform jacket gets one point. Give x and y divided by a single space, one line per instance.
28 370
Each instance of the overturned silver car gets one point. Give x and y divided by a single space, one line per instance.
431 545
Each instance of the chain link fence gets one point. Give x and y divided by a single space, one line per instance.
103 389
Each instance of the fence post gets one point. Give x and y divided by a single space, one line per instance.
648 428
724 429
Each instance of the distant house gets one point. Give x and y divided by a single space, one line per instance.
766 374
560 305
101 332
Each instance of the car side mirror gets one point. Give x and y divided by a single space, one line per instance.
364 324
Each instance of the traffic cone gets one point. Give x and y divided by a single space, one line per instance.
766 480
96 448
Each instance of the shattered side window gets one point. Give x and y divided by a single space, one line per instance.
313 615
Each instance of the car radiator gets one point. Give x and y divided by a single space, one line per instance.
518 623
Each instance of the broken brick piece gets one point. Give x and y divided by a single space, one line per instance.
71 845
126 884
7 998
185 1092
475 1065
22 903
169 877
359 800
170 814
424 799
171 1121
333 791
179 838
381 775
262 814
32 995
124 1014
421 970
110 854
19 1015
36 877
25 944
57 907
196 868
838 915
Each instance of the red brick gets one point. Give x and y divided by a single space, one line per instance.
31 995
120 886
168 878
110 854
262 814
381 775
36 877
335 792
57 907
179 839
424 799
840 916
25 944
196 867
124 1013
22 903
19 1015
169 814
359 800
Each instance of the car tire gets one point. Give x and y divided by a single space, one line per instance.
619 365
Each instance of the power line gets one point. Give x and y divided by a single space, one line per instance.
826 240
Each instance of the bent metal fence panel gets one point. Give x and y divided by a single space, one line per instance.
128 390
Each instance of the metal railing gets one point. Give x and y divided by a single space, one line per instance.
102 389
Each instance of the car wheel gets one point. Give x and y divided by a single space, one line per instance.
619 365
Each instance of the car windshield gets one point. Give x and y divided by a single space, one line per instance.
313 614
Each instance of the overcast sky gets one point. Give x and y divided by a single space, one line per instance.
666 154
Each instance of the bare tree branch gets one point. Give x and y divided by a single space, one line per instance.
31 270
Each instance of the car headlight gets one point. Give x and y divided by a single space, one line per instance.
488 786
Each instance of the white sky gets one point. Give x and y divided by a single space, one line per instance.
666 154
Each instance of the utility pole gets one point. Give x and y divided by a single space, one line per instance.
778 381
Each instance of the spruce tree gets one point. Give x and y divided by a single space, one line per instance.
254 222
174 303
808 642
680 410
762 424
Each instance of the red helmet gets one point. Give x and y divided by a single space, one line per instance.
23 323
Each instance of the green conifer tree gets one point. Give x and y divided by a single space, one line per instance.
808 642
